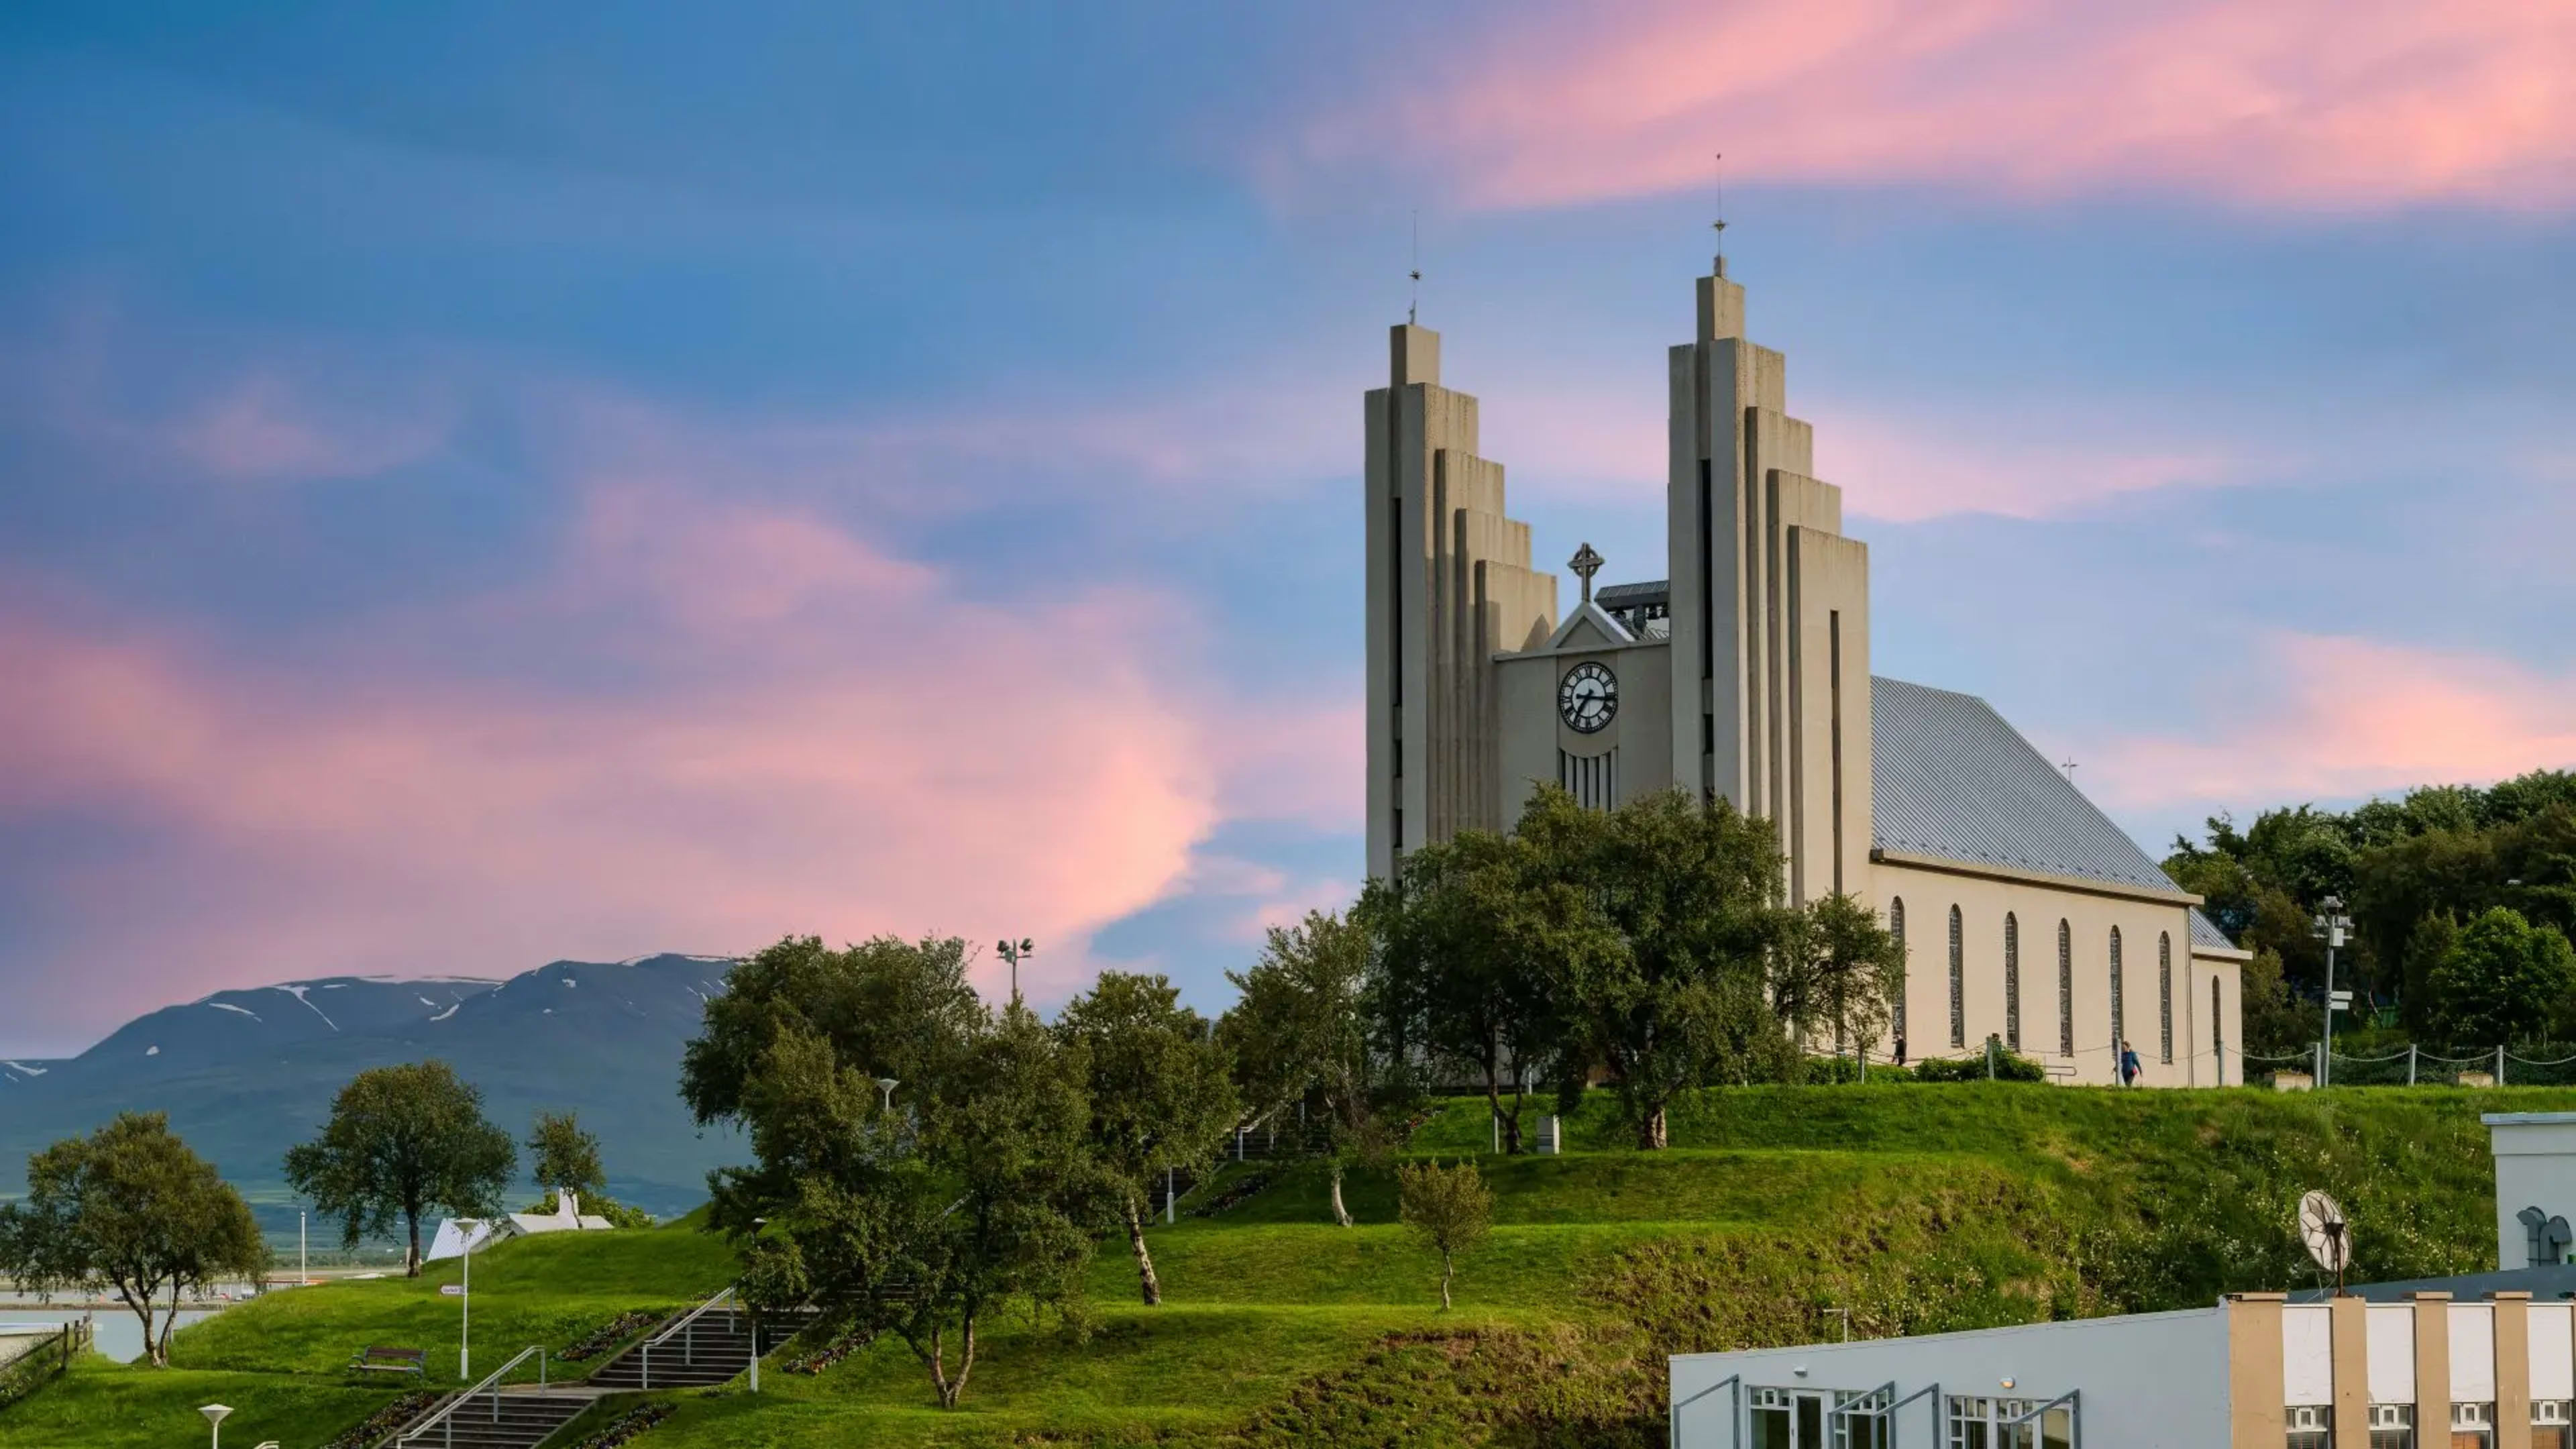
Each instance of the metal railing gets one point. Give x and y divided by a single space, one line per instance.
685 1329
445 1418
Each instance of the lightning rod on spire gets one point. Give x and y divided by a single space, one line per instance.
1413 307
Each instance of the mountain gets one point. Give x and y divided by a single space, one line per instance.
246 1074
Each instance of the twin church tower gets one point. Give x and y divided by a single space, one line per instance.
1744 673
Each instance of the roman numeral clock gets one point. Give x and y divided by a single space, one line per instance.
1587 699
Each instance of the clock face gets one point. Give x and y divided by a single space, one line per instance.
1588 698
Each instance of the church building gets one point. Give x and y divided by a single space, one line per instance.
1744 672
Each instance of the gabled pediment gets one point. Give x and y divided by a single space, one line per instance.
1589 628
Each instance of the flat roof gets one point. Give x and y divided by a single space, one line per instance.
2529 1119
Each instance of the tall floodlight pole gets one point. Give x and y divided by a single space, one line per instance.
2331 924
1012 951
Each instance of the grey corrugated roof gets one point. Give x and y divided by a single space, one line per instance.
1951 779
2205 933
1628 596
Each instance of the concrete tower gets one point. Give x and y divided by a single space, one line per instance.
1769 606
1449 587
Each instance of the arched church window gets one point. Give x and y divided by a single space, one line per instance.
2012 981
1896 928
2217 1033
2164 988
2065 990
2119 1007
1958 982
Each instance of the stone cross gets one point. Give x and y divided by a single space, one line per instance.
1585 563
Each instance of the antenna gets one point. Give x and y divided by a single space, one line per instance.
2328 1235
1413 307
1720 225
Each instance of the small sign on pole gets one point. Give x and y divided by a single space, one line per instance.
451 1290
2339 1000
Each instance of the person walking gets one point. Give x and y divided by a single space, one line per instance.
2128 1065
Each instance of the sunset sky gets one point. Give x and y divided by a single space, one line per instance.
481 484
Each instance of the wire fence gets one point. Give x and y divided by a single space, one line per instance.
2551 1064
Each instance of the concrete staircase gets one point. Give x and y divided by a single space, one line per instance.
506 1420
709 1349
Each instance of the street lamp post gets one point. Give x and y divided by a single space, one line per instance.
215 1418
887 1086
2331 924
1012 951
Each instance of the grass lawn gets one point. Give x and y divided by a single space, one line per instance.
1917 1206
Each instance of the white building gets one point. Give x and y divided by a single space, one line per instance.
459 1236
2477 1362
1744 674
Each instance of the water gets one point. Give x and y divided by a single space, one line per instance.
119 1334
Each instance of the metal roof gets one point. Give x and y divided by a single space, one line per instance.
1951 779
1629 596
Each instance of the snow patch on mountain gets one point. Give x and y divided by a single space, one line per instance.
444 1015
297 989
228 1006
23 1068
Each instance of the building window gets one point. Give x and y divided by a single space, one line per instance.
1593 780
2550 1425
2473 1426
2164 989
1978 1423
2065 990
1896 928
2217 1031
2392 1426
1958 981
2012 981
2311 1426
1786 1419
2119 1007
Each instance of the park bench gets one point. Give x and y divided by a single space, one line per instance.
377 1358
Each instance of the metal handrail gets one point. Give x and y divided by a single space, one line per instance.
446 1415
684 1328
2073 1402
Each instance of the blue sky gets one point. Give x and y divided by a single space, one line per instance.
480 486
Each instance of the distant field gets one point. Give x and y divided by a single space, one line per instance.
1917 1208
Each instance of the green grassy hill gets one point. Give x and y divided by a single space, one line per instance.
1916 1208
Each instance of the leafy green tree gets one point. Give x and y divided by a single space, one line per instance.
1692 891
1448 1210
888 1008
1841 970
2501 980
130 1208
2273 1022
973 1189
1161 1098
1301 1036
1476 937
564 1157
403 1141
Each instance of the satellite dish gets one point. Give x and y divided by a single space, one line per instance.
2327 1233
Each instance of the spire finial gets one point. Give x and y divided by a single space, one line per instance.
1720 225
1413 308
1585 564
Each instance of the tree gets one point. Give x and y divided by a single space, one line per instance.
131 1208
1475 937
1301 1038
1160 1098
403 1141
1447 1210
2500 981
2273 1022
1841 968
564 1157
920 1218
1692 891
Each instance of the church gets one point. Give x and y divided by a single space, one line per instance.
1744 672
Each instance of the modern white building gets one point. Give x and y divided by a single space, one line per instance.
1743 674
2477 1362
459 1236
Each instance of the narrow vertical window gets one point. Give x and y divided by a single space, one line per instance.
2012 981
2119 1007
2217 1033
2065 990
2164 989
1896 928
1958 982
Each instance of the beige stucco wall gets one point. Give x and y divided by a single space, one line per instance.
1532 732
1984 901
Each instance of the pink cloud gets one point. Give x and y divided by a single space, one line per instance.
830 739
260 428
2327 717
2299 103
